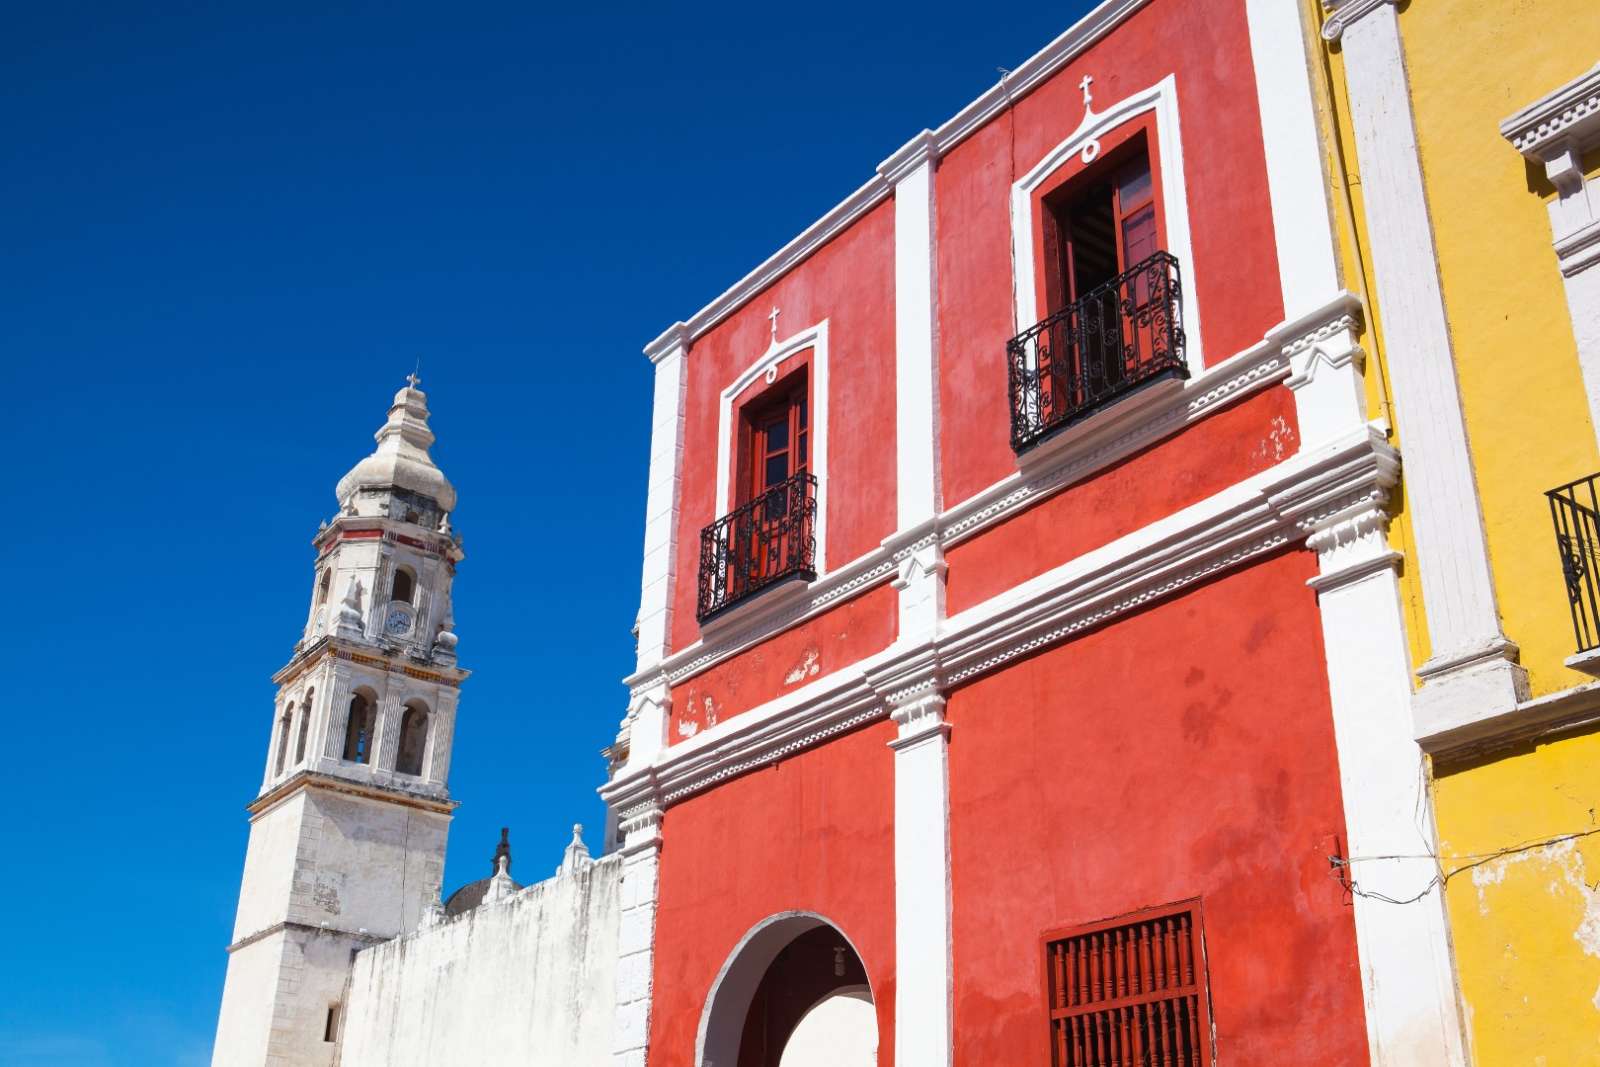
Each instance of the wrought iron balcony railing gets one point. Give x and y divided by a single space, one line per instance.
1102 346
1575 510
759 544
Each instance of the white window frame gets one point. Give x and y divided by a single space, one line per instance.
1084 142
814 337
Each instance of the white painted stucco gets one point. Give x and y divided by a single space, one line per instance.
526 980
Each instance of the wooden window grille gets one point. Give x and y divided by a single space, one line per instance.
1129 992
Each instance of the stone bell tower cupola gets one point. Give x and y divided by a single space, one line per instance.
348 830
377 660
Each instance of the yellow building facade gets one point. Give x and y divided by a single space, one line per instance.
1462 146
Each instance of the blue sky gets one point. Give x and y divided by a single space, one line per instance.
228 233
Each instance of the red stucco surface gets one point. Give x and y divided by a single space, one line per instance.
796 657
1186 751
813 833
1235 271
1170 475
849 282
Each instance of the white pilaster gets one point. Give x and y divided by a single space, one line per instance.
918 495
662 496
1473 669
641 850
923 979
915 330
1296 183
1407 980
1555 131
1407 984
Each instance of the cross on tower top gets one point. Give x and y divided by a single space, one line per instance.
773 315
1084 85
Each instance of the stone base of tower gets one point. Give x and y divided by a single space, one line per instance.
278 996
330 870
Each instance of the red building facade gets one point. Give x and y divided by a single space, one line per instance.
1014 539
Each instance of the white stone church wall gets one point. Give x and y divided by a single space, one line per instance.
528 980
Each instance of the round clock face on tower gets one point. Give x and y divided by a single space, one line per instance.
398 622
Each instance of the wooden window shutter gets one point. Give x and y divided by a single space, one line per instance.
1129 992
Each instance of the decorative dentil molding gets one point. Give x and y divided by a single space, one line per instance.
1325 337
1095 444
1342 14
1332 494
1556 129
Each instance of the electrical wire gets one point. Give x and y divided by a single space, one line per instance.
1342 865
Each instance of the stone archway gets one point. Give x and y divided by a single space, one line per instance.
793 993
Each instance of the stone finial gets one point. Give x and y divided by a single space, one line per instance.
501 885
577 854
502 850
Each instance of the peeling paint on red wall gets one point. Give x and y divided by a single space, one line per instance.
814 649
1185 469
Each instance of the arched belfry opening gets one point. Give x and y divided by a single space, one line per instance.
793 993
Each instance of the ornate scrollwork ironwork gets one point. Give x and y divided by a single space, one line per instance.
1107 343
1575 511
768 540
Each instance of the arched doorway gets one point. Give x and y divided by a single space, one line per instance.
793 993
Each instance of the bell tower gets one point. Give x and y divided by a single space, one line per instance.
347 833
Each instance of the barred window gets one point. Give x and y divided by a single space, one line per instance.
1130 992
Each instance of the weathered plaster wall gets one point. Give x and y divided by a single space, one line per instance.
1185 752
796 657
1526 924
528 980
1167 477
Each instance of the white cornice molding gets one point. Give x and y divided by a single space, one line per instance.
1556 129
1579 250
1282 506
1528 721
923 148
931 144
1342 14
1075 454
673 338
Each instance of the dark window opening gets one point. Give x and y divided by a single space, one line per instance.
404 585
1099 226
305 726
413 741
1112 296
330 1028
322 586
358 731
1129 991
283 741
777 436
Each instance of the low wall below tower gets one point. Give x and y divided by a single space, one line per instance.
529 979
